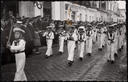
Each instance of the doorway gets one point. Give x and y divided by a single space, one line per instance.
7 6
47 9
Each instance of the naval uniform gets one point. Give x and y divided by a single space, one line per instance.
89 34
123 34
104 36
18 47
49 40
116 42
71 44
94 34
100 38
110 46
120 39
81 44
62 37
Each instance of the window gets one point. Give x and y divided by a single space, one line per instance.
80 17
66 15
85 17
96 18
66 6
66 11
90 18
73 16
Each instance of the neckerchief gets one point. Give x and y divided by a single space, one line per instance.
111 36
16 42
49 34
89 33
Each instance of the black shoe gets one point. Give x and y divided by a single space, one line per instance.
51 55
116 54
100 49
108 60
80 58
60 53
120 50
89 54
70 63
46 56
112 62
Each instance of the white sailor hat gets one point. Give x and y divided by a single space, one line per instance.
49 26
81 27
18 29
20 22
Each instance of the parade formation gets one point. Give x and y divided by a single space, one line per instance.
72 26
80 36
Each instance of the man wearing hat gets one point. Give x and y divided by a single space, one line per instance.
81 41
110 44
62 37
71 40
89 34
18 48
49 39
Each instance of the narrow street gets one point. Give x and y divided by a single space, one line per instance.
93 67
33 46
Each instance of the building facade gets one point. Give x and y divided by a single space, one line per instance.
107 11
122 17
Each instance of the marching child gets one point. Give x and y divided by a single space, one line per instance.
89 34
18 48
110 44
49 39
71 44
81 41
62 37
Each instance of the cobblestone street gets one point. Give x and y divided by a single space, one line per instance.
94 67
63 40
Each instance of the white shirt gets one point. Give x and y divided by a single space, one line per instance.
83 36
19 47
49 35
74 35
